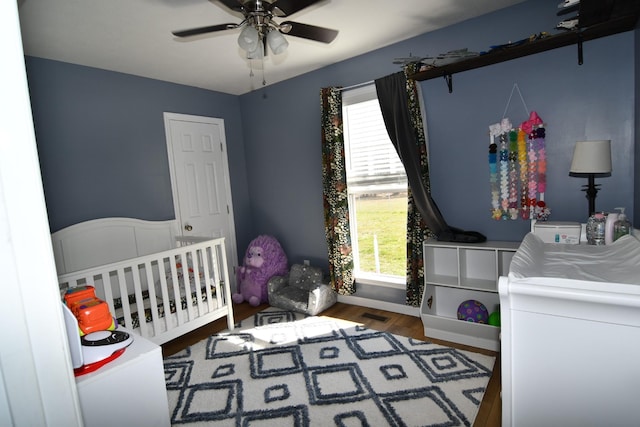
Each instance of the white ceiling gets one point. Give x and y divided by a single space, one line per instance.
134 36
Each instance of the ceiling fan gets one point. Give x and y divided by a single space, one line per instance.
260 29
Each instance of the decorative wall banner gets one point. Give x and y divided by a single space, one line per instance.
518 168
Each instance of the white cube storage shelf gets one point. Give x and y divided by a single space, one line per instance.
454 273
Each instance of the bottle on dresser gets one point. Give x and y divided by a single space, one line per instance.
622 226
596 228
612 217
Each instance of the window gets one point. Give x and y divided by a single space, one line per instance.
377 188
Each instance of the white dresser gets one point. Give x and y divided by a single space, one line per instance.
571 335
129 391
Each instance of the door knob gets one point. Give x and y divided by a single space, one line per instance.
188 227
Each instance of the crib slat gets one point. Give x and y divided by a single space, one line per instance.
106 290
207 279
227 290
186 285
216 274
180 315
137 286
166 303
151 289
196 280
124 296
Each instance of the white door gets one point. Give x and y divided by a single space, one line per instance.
200 179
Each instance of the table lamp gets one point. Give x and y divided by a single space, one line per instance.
591 158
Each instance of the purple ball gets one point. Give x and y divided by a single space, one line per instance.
473 311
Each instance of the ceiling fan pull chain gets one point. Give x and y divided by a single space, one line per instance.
251 69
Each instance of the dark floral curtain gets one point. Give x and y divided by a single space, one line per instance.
414 152
336 202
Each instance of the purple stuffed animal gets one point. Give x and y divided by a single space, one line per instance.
264 259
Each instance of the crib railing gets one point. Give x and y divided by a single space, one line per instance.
164 295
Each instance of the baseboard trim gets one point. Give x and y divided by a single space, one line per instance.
380 305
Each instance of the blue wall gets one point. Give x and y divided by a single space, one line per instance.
102 145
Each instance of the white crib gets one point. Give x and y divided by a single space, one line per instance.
160 295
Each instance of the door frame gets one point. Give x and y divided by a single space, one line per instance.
232 244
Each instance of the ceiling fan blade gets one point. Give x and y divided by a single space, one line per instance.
204 30
235 5
289 7
311 32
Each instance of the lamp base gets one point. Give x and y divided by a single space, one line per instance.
591 190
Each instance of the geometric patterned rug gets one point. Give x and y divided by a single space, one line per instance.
280 369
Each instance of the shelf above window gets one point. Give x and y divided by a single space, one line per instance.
613 26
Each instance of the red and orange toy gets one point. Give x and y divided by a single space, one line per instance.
92 313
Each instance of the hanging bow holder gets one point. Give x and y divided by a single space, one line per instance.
518 167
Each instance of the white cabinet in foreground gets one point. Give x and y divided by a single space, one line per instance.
454 273
129 391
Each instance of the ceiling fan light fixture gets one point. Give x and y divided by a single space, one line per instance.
257 53
277 42
258 28
249 38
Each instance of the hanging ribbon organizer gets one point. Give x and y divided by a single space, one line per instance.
518 167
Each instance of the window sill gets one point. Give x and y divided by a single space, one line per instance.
381 280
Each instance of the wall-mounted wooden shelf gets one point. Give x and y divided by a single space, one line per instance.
613 26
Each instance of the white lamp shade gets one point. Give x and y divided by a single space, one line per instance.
256 53
591 157
277 42
248 39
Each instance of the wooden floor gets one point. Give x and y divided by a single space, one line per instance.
489 414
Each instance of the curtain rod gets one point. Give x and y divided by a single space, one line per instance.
357 85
